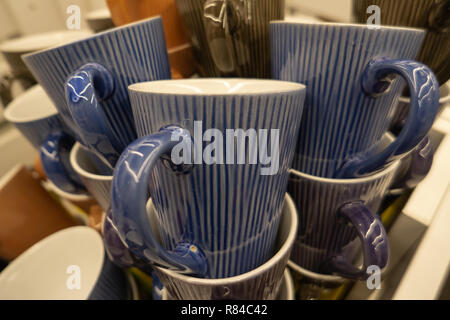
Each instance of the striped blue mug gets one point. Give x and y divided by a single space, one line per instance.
349 72
215 154
88 79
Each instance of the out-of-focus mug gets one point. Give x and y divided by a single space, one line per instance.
352 94
432 15
88 79
70 264
231 37
218 215
36 117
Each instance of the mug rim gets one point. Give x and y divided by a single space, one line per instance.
82 172
285 247
370 177
20 102
316 276
154 87
13 45
342 25
31 253
66 195
93 36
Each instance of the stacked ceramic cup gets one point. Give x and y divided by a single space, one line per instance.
213 184
345 160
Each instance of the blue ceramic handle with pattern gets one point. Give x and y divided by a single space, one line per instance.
424 92
85 89
374 239
58 172
129 196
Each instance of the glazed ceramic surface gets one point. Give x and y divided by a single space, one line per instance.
68 265
231 38
432 15
36 117
98 185
338 217
216 220
94 102
352 94
262 282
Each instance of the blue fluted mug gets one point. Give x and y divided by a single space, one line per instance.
352 92
88 79
338 219
219 203
36 117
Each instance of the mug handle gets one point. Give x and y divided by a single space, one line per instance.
424 89
218 24
374 239
129 194
84 89
58 172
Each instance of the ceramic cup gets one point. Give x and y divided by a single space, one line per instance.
315 286
87 81
349 70
68 265
98 185
219 204
260 283
432 15
338 218
36 117
231 37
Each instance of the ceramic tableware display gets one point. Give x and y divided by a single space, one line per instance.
218 211
348 70
261 282
87 81
231 37
98 185
432 15
315 286
332 232
68 265
36 117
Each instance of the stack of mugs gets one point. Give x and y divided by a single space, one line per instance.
212 184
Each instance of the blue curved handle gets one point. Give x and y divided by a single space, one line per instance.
84 90
424 92
54 153
128 204
374 239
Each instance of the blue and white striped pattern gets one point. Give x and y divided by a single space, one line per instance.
231 212
340 120
321 233
99 186
133 53
262 283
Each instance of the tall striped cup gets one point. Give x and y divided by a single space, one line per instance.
88 79
349 72
219 198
